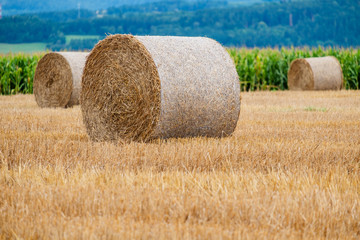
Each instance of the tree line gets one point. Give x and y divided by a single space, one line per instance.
273 24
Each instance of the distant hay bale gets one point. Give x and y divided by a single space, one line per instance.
57 80
141 88
320 73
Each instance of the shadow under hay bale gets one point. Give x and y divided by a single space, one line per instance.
320 73
57 80
141 88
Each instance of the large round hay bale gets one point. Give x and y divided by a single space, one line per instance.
57 80
141 88
320 73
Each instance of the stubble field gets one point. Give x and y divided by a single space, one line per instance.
290 170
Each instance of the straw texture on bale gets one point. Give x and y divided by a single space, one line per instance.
145 87
57 80
320 73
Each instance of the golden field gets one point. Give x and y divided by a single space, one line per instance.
291 170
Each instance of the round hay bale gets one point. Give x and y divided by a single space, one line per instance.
57 80
145 87
320 73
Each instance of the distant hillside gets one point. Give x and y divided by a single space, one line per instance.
284 23
14 7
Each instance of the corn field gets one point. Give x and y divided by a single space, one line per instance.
258 69
266 69
17 73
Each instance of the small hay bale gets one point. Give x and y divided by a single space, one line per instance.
320 73
57 80
146 87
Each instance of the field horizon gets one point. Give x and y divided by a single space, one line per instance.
291 170
10 48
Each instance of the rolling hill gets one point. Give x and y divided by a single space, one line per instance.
14 7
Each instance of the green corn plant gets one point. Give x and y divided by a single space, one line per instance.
17 73
258 69
266 69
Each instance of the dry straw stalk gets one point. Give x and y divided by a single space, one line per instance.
57 81
141 88
320 73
